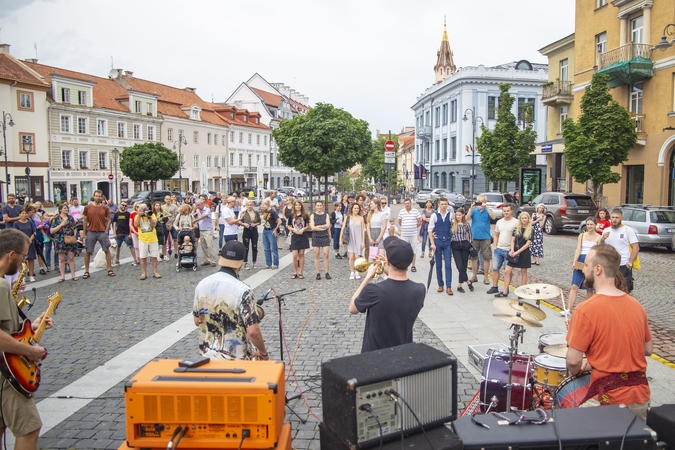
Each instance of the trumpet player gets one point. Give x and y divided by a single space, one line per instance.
224 310
391 306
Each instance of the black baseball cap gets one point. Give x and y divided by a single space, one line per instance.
232 254
351 196
399 252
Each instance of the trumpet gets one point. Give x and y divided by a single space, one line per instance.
23 301
261 312
361 265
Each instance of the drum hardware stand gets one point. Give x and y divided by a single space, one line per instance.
518 332
280 300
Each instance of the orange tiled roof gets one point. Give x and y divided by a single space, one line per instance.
406 142
225 111
298 106
15 70
269 98
105 91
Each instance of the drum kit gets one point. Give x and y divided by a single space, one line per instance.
513 379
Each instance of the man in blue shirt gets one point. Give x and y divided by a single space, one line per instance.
481 216
10 212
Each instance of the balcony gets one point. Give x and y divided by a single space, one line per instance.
424 133
639 119
557 93
627 64
250 169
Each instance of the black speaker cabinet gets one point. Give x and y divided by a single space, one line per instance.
600 427
424 377
662 420
441 438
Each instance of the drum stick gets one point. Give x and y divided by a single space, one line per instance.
562 298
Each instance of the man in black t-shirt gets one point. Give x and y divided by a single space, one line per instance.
120 223
392 305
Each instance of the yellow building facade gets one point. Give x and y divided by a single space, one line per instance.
619 38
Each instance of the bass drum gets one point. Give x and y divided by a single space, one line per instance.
573 390
496 376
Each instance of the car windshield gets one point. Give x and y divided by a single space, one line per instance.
424 191
141 194
662 216
509 198
579 201
493 198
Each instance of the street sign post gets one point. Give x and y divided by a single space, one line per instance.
389 162
111 176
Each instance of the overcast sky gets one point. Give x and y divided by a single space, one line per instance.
371 57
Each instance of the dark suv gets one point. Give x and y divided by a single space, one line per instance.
564 210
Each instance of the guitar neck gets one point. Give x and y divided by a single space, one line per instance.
53 303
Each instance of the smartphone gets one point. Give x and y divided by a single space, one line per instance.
194 363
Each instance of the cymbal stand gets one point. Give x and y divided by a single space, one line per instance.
518 331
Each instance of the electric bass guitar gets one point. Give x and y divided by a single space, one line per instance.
22 373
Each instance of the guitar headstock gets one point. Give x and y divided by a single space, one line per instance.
54 300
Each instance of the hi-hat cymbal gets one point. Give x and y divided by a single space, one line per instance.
538 291
512 306
517 320
559 350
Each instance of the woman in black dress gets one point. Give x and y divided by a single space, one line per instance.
520 249
298 225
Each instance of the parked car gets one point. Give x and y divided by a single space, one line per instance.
495 201
246 190
454 200
144 196
422 196
564 210
654 225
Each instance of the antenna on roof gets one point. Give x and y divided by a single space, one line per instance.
35 46
211 97
112 64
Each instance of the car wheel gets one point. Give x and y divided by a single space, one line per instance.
583 229
672 245
549 226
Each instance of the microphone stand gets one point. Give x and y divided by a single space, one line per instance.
280 299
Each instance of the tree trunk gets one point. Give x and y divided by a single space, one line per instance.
325 188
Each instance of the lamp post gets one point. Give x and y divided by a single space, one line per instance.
116 152
474 120
182 140
5 116
663 45
27 147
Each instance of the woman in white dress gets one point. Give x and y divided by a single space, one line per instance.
357 237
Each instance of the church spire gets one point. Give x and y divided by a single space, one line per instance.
445 66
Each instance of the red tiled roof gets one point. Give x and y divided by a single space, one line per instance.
224 111
406 142
15 70
298 106
269 98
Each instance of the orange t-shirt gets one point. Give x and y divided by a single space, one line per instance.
97 216
612 331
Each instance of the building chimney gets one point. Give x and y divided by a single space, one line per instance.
191 89
4 48
129 73
32 60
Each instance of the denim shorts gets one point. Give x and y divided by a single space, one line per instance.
499 258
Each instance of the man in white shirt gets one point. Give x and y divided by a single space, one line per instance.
622 237
229 221
410 220
502 246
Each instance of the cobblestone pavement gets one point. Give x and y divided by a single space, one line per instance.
103 316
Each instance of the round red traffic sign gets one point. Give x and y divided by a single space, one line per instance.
389 146
111 177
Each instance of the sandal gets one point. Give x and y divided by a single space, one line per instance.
85 275
75 278
413 269
295 275
111 273
61 280
144 277
301 276
156 276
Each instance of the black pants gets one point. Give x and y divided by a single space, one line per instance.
628 276
251 235
460 253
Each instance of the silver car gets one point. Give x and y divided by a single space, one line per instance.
654 225
422 196
495 201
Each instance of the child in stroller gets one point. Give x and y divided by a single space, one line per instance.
187 257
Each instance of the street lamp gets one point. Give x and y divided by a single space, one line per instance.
474 119
663 45
116 152
182 140
4 138
27 147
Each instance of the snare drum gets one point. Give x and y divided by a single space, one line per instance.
549 370
556 338
573 390
496 376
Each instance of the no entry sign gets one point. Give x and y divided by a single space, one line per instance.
389 146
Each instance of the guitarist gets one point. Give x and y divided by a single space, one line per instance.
19 413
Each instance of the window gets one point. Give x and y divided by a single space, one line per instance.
66 159
250 138
102 160
521 105
66 124
265 161
438 150
636 98
65 95
271 160
599 3
600 46
195 161
101 127
82 125
223 140
137 131
208 161
453 147
84 159
215 139
195 137
222 161
453 111
81 98
231 159
25 100
241 159
250 160
257 160
445 149
438 116
151 132
169 134
149 105
241 137
445 114
636 30
492 108
231 136
137 107
245 118
563 70
121 129
265 140
563 116
194 114
426 118
208 138
257 139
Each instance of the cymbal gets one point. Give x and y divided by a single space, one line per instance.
511 306
558 350
517 320
538 291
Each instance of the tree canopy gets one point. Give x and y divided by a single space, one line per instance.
150 161
600 139
507 148
324 141
373 167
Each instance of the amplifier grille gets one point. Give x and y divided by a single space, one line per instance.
218 409
250 410
167 411
189 408
184 408
150 408
201 408
233 409
429 394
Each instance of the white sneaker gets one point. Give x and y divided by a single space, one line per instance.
167 258
31 279
246 266
255 266
351 276
357 276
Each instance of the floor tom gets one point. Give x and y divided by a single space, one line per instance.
495 377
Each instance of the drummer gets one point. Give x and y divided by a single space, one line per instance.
611 328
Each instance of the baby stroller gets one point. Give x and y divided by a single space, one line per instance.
187 255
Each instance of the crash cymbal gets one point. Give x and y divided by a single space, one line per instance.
517 320
558 350
538 291
512 306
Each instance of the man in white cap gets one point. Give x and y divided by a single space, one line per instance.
224 310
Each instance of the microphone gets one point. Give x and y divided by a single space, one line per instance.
262 299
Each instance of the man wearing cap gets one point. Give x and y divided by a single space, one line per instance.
224 310
392 305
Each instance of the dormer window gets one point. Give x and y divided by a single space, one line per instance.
245 118
65 95
231 115
257 120
194 114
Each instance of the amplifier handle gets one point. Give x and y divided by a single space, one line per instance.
199 370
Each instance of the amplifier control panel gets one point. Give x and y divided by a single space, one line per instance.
383 407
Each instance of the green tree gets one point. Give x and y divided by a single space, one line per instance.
600 139
374 165
323 141
507 148
148 162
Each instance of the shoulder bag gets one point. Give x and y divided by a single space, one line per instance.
345 233
636 263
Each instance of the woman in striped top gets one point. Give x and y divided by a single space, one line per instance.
460 241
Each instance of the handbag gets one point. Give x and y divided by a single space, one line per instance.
513 259
345 233
69 240
473 254
636 263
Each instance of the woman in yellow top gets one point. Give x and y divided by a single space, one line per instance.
146 222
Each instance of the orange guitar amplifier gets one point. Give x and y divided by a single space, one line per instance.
218 402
